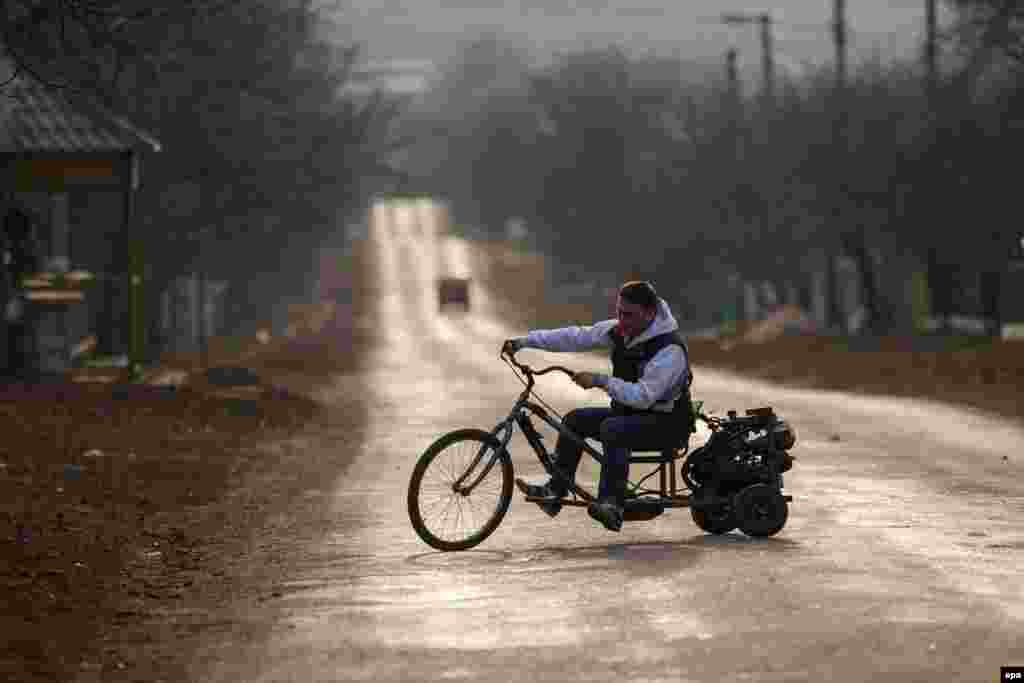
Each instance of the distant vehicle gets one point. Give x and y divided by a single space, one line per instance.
453 291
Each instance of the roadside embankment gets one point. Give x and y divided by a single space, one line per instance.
985 374
981 373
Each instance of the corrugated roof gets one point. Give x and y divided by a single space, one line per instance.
36 118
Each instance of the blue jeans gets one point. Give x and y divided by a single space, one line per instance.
620 435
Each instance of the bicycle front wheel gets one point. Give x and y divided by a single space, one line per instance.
447 515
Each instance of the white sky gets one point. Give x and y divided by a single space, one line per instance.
428 29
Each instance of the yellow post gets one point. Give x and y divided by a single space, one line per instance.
136 323
919 300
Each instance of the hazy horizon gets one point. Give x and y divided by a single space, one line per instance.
429 30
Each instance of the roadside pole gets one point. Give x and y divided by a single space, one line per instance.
930 48
137 324
835 313
764 21
204 345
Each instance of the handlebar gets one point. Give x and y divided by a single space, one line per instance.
530 372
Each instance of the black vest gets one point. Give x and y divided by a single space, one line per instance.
628 365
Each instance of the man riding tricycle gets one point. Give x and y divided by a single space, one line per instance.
734 479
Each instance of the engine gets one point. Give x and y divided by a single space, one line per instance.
742 451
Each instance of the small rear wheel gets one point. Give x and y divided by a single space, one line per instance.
716 519
760 510
447 517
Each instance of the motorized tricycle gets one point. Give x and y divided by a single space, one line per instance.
461 486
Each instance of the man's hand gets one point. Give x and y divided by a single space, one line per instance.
512 345
589 380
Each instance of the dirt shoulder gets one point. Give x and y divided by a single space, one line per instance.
122 504
982 374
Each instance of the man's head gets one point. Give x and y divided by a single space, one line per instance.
637 307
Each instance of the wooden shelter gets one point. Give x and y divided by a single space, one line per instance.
74 166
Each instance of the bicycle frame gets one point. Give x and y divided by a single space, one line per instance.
520 415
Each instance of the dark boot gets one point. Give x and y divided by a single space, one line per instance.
548 490
607 511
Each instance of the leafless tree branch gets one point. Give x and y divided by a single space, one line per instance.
74 43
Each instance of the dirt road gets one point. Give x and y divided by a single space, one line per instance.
901 559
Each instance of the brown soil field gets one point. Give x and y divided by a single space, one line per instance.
982 374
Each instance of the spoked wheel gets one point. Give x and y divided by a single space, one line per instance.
452 515
760 510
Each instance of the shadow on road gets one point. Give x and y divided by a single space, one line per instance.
671 555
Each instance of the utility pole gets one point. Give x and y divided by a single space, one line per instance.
835 312
767 58
839 34
935 274
731 74
735 102
930 48
764 20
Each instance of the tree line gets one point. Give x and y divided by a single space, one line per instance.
626 164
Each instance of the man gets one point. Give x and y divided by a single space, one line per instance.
649 390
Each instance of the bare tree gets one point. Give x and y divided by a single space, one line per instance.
264 147
86 44
990 25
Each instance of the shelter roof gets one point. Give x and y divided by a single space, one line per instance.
38 118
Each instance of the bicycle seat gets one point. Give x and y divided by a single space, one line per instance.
664 455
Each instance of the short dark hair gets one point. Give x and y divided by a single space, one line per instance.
639 292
